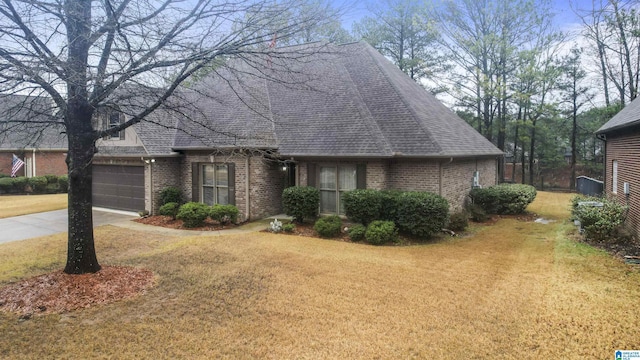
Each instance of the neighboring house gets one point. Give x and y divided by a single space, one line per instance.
42 147
343 119
622 159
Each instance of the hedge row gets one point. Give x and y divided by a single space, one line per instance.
193 214
416 213
47 184
504 198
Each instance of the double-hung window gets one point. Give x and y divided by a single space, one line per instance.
215 184
335 180
115 118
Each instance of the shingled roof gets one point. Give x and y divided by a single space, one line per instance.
349 102
28 123
627 117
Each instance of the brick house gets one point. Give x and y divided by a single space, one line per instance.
42 147
356 122
621 135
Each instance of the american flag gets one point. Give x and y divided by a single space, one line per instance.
16 164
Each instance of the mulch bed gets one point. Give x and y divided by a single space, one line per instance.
58 292
168 222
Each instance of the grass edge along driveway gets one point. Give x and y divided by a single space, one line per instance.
515 290
16 205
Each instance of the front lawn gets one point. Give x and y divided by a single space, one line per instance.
514 289
15 205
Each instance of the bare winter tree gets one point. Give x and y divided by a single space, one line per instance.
86 56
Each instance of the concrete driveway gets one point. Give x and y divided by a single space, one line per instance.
52 222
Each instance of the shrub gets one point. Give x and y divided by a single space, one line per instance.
504 198
19 184
476 213
601 223
224 214
169 209
51 179
362 205
52 188
389 204
458 221
357 232
6 184
289 228
38 184
301 202
3 175
193 214
380 232
170 194
63 183
329 226
421 213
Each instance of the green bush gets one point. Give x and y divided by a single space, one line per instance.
38 184
6 185
504 198
63 183
380 232
3 175
600 223
329 226
289 228
301 202
193 214
51 179
476 213
389 204
170 194
19 184
357 232
362 205
224 214
52 188
169 209
422 213
458 221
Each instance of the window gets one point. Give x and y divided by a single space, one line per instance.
334 182
115 118
215 184
614 177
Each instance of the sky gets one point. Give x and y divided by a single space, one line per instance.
564 17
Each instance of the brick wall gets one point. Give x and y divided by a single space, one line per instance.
626 150
47 162
457 179
414 175
164 172
423 175
266 182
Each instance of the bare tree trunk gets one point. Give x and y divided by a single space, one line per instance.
625 44
532 147
81 253
574 131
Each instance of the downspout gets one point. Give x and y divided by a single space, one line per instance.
246 197
603 138
33 162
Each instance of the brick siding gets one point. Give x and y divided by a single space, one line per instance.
626 150
47 162
423 175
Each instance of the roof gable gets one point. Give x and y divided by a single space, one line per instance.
628 116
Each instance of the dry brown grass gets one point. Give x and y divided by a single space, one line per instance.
14 205
514 290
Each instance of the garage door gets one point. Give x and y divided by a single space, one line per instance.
118 187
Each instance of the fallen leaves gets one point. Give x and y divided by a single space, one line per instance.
58 292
